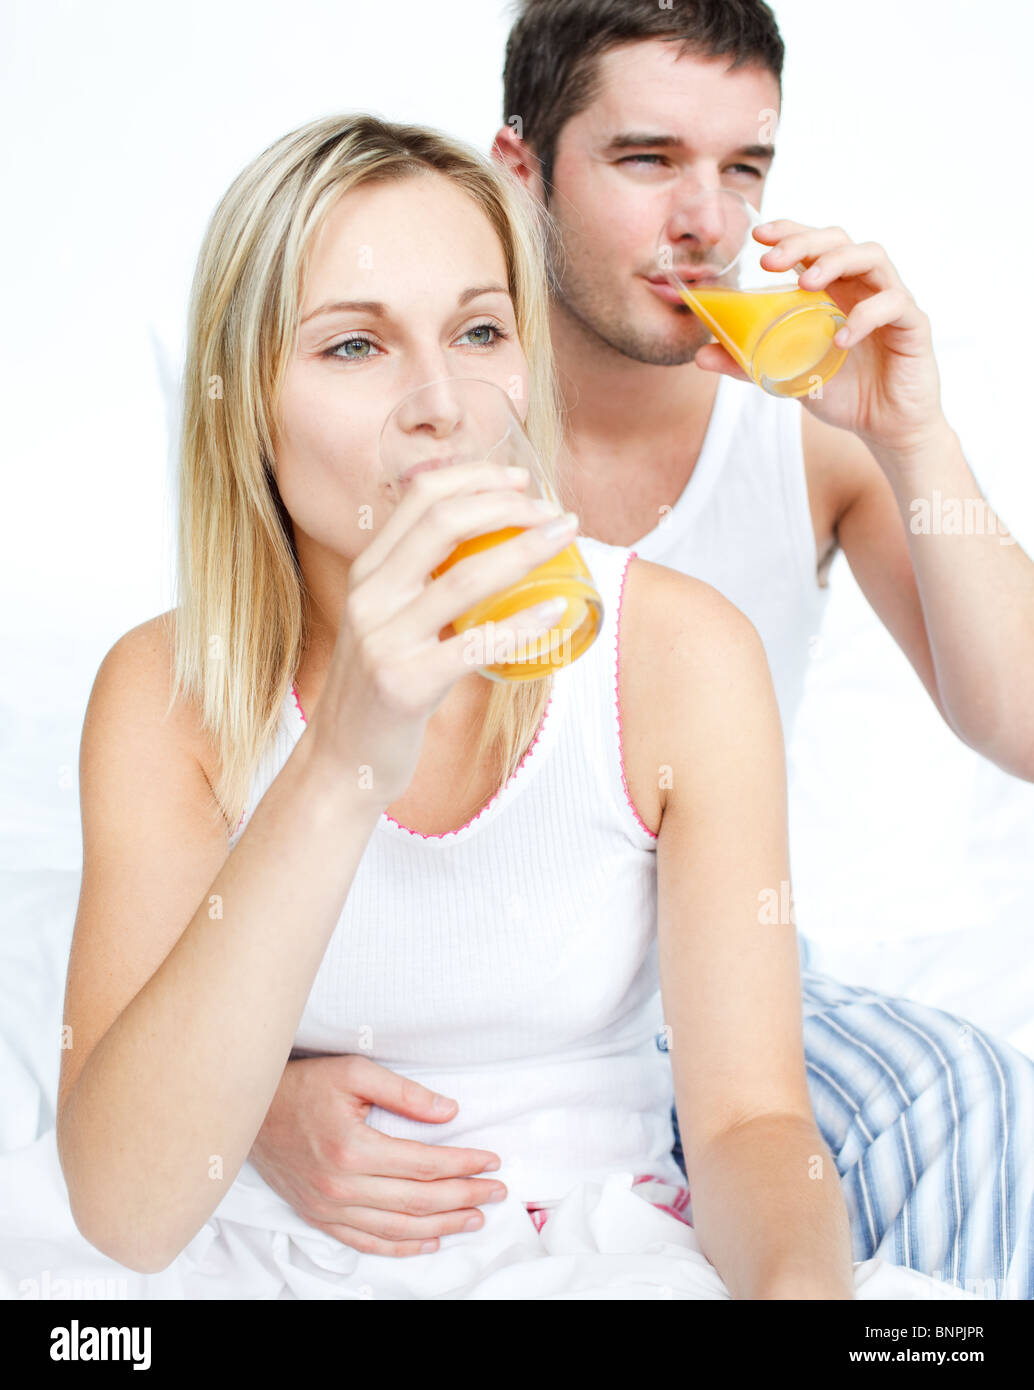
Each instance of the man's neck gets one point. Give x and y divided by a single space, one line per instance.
633 433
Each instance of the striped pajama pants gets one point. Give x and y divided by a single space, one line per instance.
931 1123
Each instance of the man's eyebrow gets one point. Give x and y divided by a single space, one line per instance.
379 310
629 139
756 151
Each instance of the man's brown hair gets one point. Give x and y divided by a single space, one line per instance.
553 50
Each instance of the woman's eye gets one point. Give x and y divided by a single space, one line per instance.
492 328
343 352
335 351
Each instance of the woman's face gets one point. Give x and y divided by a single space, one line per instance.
386 308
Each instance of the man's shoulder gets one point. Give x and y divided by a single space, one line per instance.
838 466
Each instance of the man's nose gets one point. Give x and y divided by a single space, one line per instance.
702 217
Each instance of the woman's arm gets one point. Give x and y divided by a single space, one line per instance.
767 1203
185 1030
181 1033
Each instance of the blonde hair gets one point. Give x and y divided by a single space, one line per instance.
241 623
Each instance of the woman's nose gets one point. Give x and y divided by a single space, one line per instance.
433 406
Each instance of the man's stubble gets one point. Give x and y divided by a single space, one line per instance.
585 300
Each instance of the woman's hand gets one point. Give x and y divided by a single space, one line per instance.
375 1193
391 668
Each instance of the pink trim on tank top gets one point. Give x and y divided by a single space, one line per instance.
294 692
487 805
617 702
680 1200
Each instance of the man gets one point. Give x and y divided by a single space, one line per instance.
614 127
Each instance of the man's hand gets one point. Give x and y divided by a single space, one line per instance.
888 390
375 1193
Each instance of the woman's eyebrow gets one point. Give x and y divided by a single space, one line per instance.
380 310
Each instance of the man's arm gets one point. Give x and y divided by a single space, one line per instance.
958 602
966 618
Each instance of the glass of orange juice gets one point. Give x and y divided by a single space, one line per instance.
781 335
465 420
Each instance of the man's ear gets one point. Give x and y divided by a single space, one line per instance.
511 149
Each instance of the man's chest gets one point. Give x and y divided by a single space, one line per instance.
621 506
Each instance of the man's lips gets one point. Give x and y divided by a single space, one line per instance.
666 290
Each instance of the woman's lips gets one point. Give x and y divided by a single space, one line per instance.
425 467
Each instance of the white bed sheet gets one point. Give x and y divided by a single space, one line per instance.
601 1242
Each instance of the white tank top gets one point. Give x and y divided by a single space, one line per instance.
743 524
512 964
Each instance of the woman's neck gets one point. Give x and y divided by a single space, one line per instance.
456 720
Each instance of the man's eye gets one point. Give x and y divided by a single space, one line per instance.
635 158
747 169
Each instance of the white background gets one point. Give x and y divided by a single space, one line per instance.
907 123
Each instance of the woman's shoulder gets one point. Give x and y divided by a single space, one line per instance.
672 618
135 681
692 668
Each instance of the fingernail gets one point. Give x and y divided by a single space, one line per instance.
497 1194
552 608
441 1103
474 1223
564 523
428 1247
491 1167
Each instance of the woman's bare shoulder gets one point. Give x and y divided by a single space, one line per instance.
672 619
692 664
137 672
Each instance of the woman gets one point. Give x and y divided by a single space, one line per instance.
476 883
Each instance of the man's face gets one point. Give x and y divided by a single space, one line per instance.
662 129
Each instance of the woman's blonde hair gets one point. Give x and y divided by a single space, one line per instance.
241 623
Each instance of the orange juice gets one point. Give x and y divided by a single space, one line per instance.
561 576
782 337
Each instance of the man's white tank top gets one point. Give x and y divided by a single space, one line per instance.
743 524
512 963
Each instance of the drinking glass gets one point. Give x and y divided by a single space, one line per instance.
781 335
463 420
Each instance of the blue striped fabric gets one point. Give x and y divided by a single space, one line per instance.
930 1122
